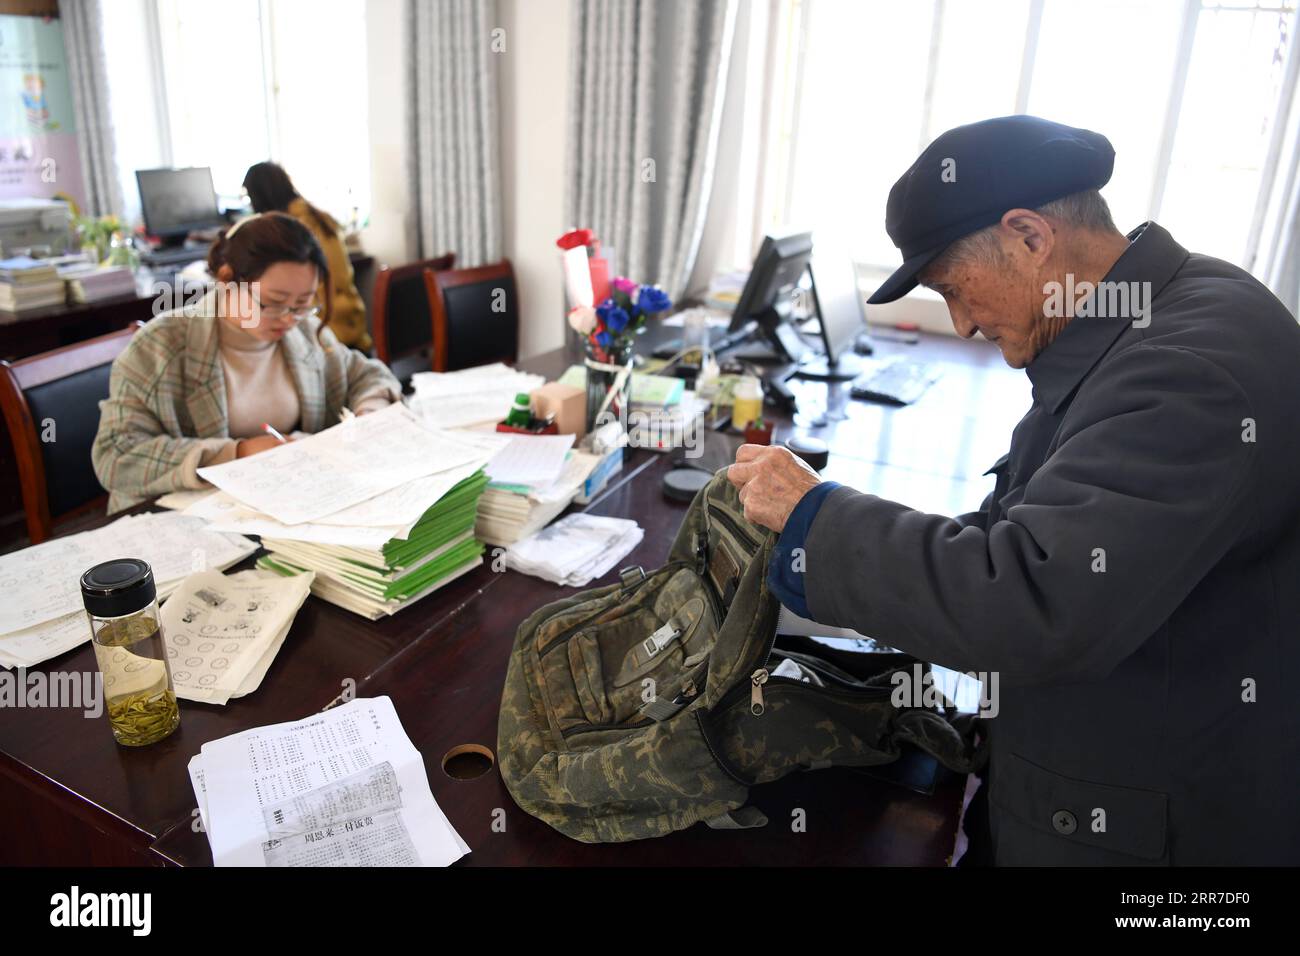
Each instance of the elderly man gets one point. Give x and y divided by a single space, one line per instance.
1134 578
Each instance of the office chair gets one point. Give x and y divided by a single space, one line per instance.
475 316
402 321
51 405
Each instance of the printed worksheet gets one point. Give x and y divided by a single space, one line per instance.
43 583
218 628
341 466
345 787
32 645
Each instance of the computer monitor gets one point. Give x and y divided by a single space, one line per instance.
176 202
768 296
840 308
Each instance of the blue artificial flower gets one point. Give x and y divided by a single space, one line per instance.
652 299
604 338
616 320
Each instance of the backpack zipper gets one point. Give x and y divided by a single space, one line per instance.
730 524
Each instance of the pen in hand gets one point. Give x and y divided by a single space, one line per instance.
274 434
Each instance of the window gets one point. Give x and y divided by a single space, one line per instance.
233 83
1186 91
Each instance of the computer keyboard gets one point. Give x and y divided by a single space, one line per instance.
179 256
895 381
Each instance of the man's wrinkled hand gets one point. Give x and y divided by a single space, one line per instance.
772 481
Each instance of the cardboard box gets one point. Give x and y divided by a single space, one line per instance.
566 402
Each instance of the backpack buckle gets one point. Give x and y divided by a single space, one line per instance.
631 576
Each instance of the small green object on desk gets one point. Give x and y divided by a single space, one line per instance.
521 414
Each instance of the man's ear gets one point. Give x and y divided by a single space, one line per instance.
1032 230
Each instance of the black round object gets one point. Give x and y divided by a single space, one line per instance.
682 484
117 588
812 450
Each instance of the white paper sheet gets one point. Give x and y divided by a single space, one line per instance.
218 628
342 466
534 460
349 777
43 583
31 646
181 500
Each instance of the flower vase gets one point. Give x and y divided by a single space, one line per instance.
603 368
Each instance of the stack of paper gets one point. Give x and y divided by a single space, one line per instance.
508 513
471 397
345 787
223 633
380 507
91 284
27 283
373 582
575 550
42 615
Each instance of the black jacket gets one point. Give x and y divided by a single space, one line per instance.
1134 579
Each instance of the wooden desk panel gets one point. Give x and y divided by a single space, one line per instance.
447 687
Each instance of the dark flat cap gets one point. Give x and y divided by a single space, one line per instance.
968 177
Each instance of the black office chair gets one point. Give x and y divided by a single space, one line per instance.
475 316
51 405
402 320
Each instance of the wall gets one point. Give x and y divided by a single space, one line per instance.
534 109
533 93
388 238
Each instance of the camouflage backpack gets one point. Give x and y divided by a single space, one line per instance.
640 708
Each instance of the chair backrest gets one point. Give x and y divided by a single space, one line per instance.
51 405
475 316
402 321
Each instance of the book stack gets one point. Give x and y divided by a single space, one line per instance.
27 283
509 513
95 285
389 518
373 582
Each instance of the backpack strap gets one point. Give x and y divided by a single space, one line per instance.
742 818
957 743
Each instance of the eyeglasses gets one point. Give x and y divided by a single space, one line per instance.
280 311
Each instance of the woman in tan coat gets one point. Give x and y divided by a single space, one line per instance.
271 190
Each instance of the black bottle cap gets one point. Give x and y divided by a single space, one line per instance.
117 588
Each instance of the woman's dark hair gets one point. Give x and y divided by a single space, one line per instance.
271 190
253 245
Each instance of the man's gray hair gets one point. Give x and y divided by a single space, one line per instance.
1083 210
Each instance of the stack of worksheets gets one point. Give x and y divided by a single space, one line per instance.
223 632
42 615
575 550
380 507
508 513
345 787
91 284
533 479
471 397
439 548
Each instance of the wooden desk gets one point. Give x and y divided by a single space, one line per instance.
75 797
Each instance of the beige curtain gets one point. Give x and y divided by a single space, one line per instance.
645 103
454 124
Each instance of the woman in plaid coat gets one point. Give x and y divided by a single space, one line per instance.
196 384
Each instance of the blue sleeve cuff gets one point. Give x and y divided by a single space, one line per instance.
782 577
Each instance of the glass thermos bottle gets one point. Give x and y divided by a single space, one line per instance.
122 603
